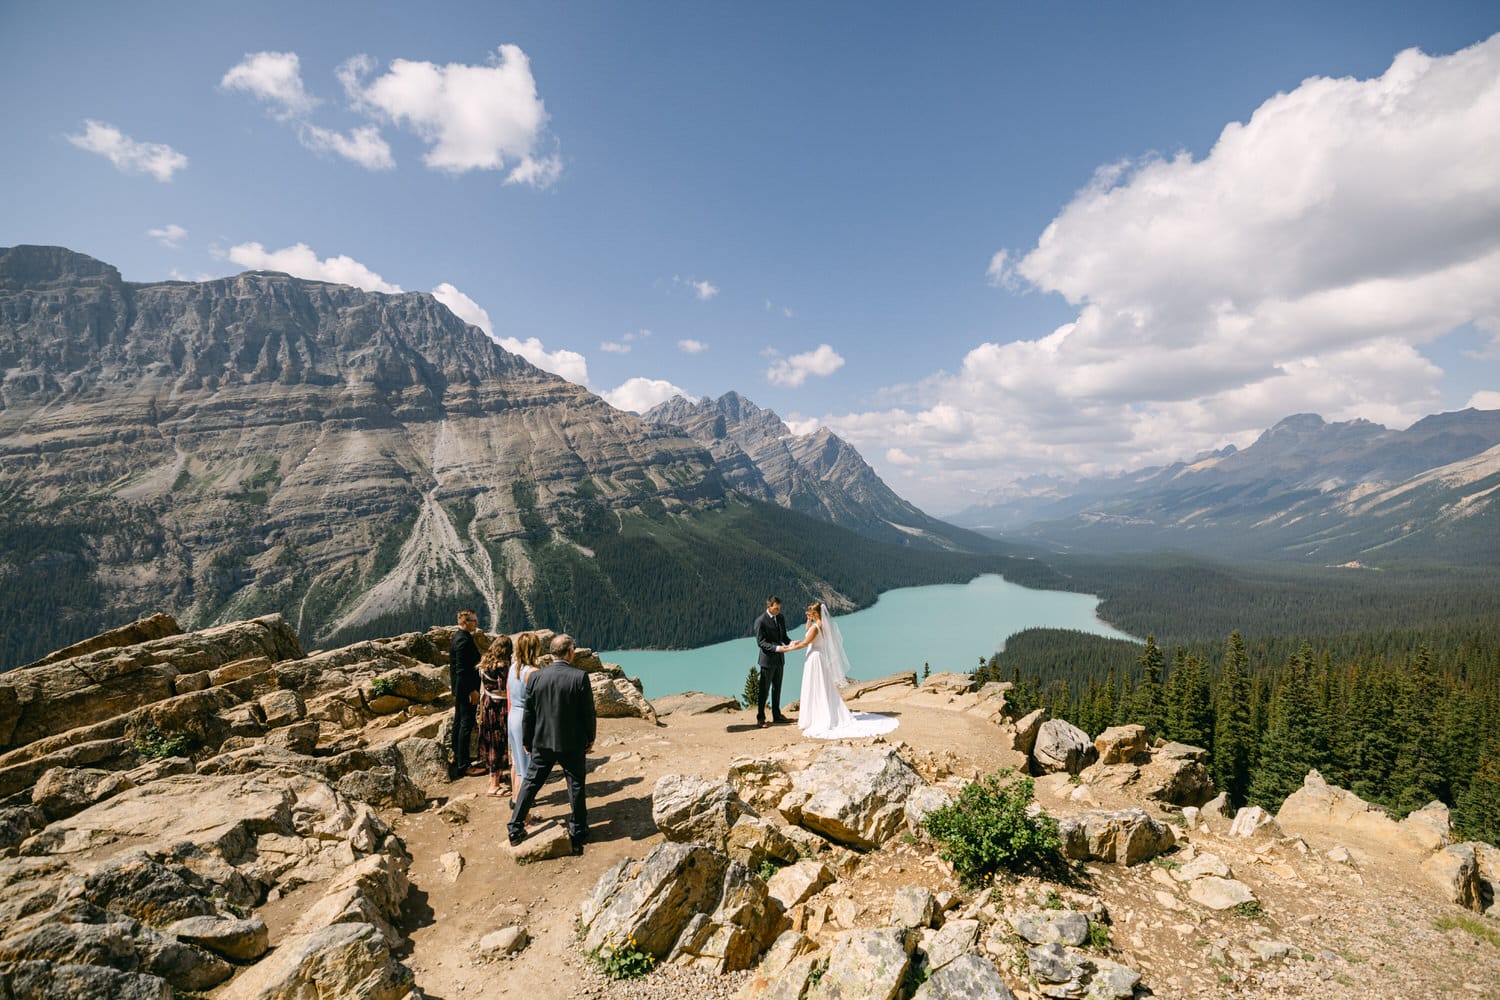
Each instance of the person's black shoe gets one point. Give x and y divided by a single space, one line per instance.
517 839
780 720
576 843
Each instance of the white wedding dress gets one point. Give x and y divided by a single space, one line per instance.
822 714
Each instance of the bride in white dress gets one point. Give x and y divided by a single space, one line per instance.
823 714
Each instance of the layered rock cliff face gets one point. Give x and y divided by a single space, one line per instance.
818 474
263 443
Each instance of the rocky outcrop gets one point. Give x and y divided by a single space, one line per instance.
1062 746
852 796
1126 837
686 808
1120 744
687 903
66 694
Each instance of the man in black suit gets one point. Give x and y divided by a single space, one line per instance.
771 637
463 677
558 728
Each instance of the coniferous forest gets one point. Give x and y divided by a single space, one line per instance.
1400 717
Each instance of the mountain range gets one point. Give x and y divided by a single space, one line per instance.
1306 490
366 462
818 474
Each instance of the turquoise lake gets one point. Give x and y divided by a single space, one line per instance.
949 627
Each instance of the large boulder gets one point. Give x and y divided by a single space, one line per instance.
1178 775
370 891
687 808
944 945
865 965
1046 926
968 977
237 939
744 922
1126 836
1455 872
798 883
342 960
1320 808
1023 735
617 698
1428 828
1062 746
1067 972
753 841
693 703
688 901
1121 744
1253 821
46 979
853 795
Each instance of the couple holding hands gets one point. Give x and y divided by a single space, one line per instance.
822 713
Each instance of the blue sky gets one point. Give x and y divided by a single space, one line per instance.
981 242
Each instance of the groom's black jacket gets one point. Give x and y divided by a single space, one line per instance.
770 632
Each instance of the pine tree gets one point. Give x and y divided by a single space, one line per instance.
1476 814
1234 738
1415 780
1146 704
751 694
1295 740
1188 710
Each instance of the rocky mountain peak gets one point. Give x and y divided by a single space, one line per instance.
40 267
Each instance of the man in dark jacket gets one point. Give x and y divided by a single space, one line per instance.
771 637
463 676
558 728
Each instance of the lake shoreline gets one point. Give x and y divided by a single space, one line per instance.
937 627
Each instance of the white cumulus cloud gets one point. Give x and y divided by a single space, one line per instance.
464 308
471 117
640 394
1301 265
300 261
569 364
614 347
170 235
275 79
793 371
129 156
690 346
1485 399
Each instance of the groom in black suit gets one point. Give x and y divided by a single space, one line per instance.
771 637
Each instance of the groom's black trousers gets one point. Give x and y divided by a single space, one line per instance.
770 682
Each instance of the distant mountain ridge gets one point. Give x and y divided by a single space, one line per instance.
1306 489
363 463
819 474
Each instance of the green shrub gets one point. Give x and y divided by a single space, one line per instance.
622 961
1250 909
153 744
751 694
1098 936
383 686
987 828
767 869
